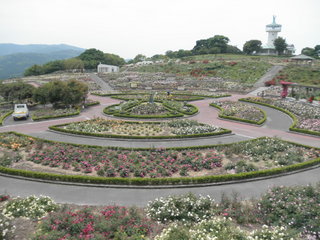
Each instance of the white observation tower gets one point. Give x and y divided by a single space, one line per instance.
272 30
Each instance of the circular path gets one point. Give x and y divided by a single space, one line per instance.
277 124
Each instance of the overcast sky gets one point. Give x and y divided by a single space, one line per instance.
130 27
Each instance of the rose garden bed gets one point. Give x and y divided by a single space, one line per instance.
240 112
188 216
128 129
306 117
21 153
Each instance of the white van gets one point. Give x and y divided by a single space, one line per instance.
20 111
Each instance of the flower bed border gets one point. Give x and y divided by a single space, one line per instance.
117 114
65 115
196 96
56 116
59 129
195 109
94 103
221 115
158 181
5 116
169 115
294 118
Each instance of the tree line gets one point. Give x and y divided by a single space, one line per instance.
89 59
58 93
214 45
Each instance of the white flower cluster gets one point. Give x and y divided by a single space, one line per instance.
222 228
267 233
180 208
31 207
90 127
195 130
6 228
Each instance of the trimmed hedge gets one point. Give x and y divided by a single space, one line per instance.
293 117
221 115
194 109
89 104
158 181
127 115
59 129
3 117
56 116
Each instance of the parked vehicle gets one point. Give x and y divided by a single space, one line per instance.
20 112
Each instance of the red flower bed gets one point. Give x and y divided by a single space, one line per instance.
110 222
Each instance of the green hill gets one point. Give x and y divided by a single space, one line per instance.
14 65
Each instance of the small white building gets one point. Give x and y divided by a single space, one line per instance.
103 68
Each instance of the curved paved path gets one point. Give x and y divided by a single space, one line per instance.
276 125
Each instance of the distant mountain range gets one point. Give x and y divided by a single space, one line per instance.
14 58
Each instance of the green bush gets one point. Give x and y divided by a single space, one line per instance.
31 207
112 222
185 208
297 207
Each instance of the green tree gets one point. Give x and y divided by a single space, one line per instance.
41 94
308 51
233 49
91 58
57 92
73 63
34 70
183 53
216 44
171 54
76 92
158 57
139 58
280 45
53 66
113 59
16 91
252 46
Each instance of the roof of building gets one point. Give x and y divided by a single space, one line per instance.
106 65
302 57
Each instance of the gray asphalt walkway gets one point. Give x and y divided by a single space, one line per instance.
135 143
139 197
104 85
275 118
268 75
